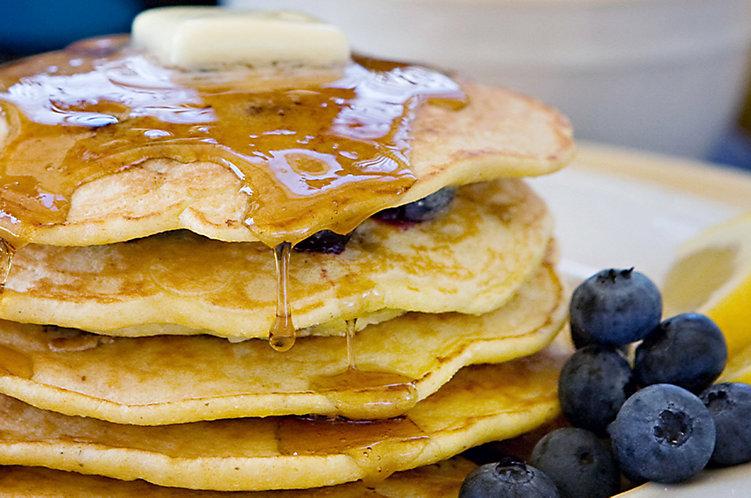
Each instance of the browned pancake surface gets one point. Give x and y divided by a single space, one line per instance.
480 404
471 259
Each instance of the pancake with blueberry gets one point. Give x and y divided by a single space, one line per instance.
112 140
243 175
465 251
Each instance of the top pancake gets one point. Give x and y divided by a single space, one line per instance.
497 134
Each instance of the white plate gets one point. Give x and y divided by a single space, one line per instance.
605 221
608 220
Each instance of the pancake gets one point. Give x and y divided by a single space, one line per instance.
480 404
498 134
166 380
470 259
442 479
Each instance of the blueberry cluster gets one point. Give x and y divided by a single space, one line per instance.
660 420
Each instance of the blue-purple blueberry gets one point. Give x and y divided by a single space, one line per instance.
662 433
615 307
594 383
425 209
687 350
578 462
509 478
325 241
730 406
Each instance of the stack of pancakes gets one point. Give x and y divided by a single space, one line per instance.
142 283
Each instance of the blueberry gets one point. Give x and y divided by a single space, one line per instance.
578 462
687 350
508 478
615 307
730 407
663 433
425 209
593 385
324 241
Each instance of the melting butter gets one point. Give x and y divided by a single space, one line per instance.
210 37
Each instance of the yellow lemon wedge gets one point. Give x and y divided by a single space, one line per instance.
738 368
712 275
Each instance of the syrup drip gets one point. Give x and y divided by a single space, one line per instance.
7 252
351 326
282 333
360 393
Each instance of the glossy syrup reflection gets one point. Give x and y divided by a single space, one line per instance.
313 149
17 363
378 447
363 392
360 392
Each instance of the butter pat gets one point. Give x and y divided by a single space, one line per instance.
211 37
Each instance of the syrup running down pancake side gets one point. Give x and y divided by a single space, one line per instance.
314 149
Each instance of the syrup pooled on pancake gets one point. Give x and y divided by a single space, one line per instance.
471 259
355 387
480 404
323 150
172 379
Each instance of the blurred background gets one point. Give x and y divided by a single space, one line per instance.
670 76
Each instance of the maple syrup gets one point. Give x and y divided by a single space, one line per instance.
376 446
7 252
314 149
14 362
282 333
359 393
350 329
362 393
